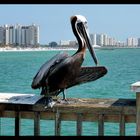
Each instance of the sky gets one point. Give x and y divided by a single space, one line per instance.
116 20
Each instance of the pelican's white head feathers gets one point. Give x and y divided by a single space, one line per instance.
81 18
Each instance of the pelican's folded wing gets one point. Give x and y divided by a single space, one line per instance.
45 69
88 74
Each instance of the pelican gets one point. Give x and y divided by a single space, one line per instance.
64 71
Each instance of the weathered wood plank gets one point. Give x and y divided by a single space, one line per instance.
79 124
57 123
18 98
36 123
138 114
122 125
104 110
70 116
106 106
68 112
136 88
101 125
78 105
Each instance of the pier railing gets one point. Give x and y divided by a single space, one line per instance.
80 110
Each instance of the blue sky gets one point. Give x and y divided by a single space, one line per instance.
117 20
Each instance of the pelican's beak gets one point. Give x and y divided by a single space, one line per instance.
84 31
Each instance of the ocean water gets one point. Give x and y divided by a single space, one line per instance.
17 70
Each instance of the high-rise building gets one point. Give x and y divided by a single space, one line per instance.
19 35
138 42
6 34
105 40
64 42
92 39
1 35
33 34
132 42
100 39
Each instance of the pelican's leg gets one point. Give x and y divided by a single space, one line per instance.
64 100
64 94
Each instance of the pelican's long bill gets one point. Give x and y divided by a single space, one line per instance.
85 33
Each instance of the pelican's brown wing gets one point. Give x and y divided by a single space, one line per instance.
88 74
46 68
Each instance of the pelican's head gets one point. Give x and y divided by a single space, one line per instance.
80 29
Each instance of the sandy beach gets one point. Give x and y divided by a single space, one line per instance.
20 49
10 49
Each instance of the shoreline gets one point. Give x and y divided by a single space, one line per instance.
10 49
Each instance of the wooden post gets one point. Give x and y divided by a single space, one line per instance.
36 123
101 125
79 124
136 88
0 126
57 123
17 123
122 125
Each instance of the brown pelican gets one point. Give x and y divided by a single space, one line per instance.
64 71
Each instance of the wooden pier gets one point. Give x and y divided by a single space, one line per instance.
122 111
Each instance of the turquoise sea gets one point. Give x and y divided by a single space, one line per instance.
17 70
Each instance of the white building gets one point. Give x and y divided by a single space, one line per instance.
132 42
139 42
111 41
92 39
32 34
104 40
1 35
64 42
6 39
20 35
72 43
100 39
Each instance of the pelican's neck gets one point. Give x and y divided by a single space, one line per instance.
78 37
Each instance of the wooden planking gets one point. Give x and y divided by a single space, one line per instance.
110 107
136 88
31 106
138 114
70 116
106 106
94 110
